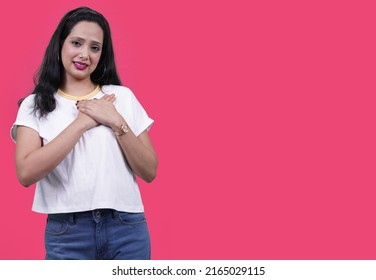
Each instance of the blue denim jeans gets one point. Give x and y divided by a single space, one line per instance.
102 234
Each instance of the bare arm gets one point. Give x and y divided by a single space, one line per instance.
34 161
139 150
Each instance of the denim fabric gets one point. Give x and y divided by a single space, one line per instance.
102 234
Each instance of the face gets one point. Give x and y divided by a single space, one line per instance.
82 50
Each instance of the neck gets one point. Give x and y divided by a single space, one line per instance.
79 88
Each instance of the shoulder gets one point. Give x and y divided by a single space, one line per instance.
28 102
29 99
108 89
123 94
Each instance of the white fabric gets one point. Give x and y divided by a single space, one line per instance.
95 173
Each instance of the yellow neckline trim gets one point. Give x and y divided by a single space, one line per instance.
77 98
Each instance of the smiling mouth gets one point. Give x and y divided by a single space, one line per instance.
80 66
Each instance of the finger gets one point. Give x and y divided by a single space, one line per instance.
112 99
78 104
85 110
82 103
104 97
81 109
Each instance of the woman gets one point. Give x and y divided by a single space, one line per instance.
82 138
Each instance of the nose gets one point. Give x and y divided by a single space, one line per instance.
84 54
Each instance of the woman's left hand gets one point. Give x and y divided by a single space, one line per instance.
102 110
138 150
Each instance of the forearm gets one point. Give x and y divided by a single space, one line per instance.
141 158
37 164
138 150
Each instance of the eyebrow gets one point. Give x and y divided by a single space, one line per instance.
82 39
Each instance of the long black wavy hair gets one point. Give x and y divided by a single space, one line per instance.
51 72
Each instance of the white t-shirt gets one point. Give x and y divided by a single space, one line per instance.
95 173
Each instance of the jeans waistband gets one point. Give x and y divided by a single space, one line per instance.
97 215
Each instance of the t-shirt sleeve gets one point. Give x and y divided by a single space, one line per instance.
141 119
25 117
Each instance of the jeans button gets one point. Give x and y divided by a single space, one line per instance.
98 214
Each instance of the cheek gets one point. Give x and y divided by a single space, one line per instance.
67 53
96 58
99 56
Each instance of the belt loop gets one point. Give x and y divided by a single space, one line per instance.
115 214
71 218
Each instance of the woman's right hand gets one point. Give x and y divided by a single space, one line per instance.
88 122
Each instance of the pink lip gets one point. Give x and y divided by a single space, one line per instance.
80 66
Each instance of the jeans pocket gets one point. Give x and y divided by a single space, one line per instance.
56 227
132 218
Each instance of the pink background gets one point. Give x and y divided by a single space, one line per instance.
265 123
